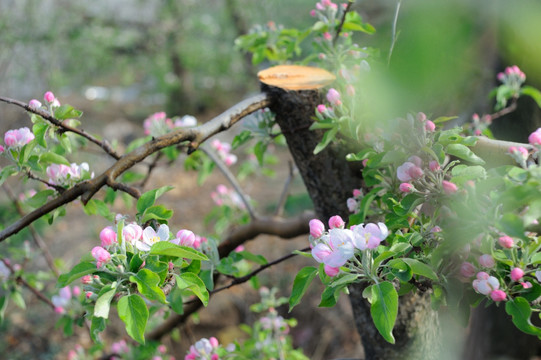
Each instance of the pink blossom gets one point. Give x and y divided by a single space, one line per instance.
333 96
467 269
434 165
357 192
331 271
34 104
312 13
485 284
108 236
535 137
316 228
186 121
406 187
120 347
430 126
352 205
416 160
76 291
449 187
132 233
336 222
498 295
101 255
214 342
506 241
409 171
62 300
487 261
19 137
517 274
421 116
49 97
321 108
526 285
369 236
87 279
336 249
184 238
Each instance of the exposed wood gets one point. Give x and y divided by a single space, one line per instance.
295 77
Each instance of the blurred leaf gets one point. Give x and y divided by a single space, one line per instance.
192 283
66 112
78 271
300 285
520 310
157 212
149 198
532 92
326 140
464 152
241 138
53 158
101 309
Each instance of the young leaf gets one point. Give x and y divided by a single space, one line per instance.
169 249
101 309
420 268
78 271
520 310
330 296
300 285
133 311
464 152
97 325
53 158
326 140
66 112
149 198
191 282
384 309
157 212
147 284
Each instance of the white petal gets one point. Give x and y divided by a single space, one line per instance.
163 232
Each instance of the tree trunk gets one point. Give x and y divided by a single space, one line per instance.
330 179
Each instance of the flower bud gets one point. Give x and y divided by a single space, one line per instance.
331 271
406 187
87 279
506 241
336 222
34 104
498 295
467 269
321 108
107 236
434 165
49 97
449 187
101 255
185 238
421 116
214 342
535 137
316 228
333 97
486 260
517 274
430 126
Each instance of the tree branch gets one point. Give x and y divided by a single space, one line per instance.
45 114
339 29
195 136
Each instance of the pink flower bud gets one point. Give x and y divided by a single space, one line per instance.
49 97
34 104
421 116
364 162
526 285
430 126
171 266
416 160
87 279
535 137
215 357
406 187
321 108
132 232
327 36
449 187
316 228
357 192
214 342
185 238
331 271
467 269
313 13
162 349
336 222
101 255
333 97
434 165
506 241
108 236
498 295
59 310
487 261
416 172
517 274
76 291
89 294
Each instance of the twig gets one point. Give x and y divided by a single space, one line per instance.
49 117
339 28
87 189
37 238
151 167
285 190
58 188
19 279
136 194
506 110
393 38
232 180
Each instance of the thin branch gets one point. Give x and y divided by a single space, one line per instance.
37 238
232 180
285 191
339 29
195 136
58 188
284 228
20 280
506 110
151 167
47 116
394 35
135 193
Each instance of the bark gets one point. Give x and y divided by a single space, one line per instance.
329 179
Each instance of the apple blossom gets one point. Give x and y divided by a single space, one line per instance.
331 271
449 187
87 279
186 121
336 249
107 236
517 274
434 165
409 171
184 238
430 126
421 116
101 255
316 228
327 36
336 222
34 104
506 241
526 285
498 295
485 284
369 236
416 160
150 237
467 269
18 137
333 96
132 233
49 97
535 137
486 260
406 187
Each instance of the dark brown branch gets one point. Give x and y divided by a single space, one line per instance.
506 110
37 238
151 167
136 194
58 188
285 191
285 228
44 114
339 29
195 136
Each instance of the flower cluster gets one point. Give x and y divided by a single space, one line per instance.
337 246
159 124
60 174
204 349
62 300
226 196
353 202
18 138
513 77
50 99
224 152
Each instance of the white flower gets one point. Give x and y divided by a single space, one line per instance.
150 237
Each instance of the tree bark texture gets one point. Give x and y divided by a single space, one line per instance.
330 179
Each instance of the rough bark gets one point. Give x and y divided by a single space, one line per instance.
329 179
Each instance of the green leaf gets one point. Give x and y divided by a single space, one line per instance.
401 270
192 283
149 198
66 112
259 151
133 311
40 129
241 138
384 309
7 172
3 306
176 301
78 271
169 249
39 199
520 311
354 22
420 268
95 206
136 262
258 259
17 298
532 92
157 212
147 284
300 285
53 158
443 119
103 304
97 325
512 225
326 140
161 268
464 152
330 296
